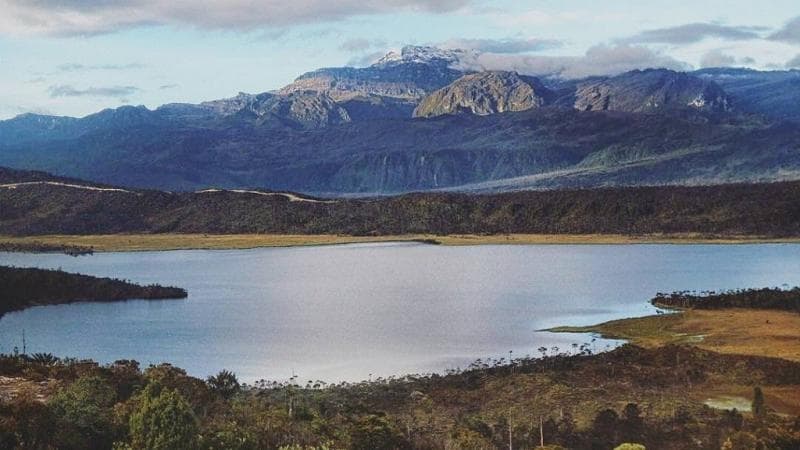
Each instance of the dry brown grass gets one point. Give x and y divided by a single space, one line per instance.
140 242
734 331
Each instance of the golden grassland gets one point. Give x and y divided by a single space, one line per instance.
734 331
142 242
731 331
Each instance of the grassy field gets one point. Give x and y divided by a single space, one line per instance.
141 242
734 331
731 331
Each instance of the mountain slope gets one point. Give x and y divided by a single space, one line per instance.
649 91
390 156
773 94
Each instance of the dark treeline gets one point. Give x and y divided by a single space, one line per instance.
577 401
765 298
770 210
23 287
41 247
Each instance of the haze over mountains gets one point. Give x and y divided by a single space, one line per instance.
421 120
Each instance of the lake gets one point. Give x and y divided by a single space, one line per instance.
351 312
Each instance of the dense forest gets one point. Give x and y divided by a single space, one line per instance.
769 210
765 298
565 399
23 287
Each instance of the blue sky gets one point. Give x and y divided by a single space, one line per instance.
74 57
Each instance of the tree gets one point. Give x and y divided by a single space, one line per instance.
83 411
759 408
163 421
224 383
25 422
604 429
374 433
631 426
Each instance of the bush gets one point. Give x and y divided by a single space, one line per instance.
83 411
163 421
628 446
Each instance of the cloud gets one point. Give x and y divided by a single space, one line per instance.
508 45
793 63
165 87
694 32
75 67
717 58
365 59
598 60
356 45
789 33
65 90
90 17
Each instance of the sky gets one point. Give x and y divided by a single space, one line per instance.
76 57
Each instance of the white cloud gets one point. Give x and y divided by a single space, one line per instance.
694 32
717 58
64 90
87 17
598 60
507 45
789 32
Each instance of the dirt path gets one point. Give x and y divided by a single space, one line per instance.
56 183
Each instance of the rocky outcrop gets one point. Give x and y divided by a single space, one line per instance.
485 93
309 109
303 108
652 90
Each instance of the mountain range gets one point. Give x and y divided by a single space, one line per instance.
421 119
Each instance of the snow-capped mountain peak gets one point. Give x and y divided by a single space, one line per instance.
422 55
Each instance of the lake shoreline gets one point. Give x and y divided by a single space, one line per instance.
165 242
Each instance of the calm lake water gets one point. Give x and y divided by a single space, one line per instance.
345 312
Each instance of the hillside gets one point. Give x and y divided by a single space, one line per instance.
770 209
538 148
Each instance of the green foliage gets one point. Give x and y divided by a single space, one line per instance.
45 359
461 410
628 446
224 383
163 421
374 433
228 435
84 412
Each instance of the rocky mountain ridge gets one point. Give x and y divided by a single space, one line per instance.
414 121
